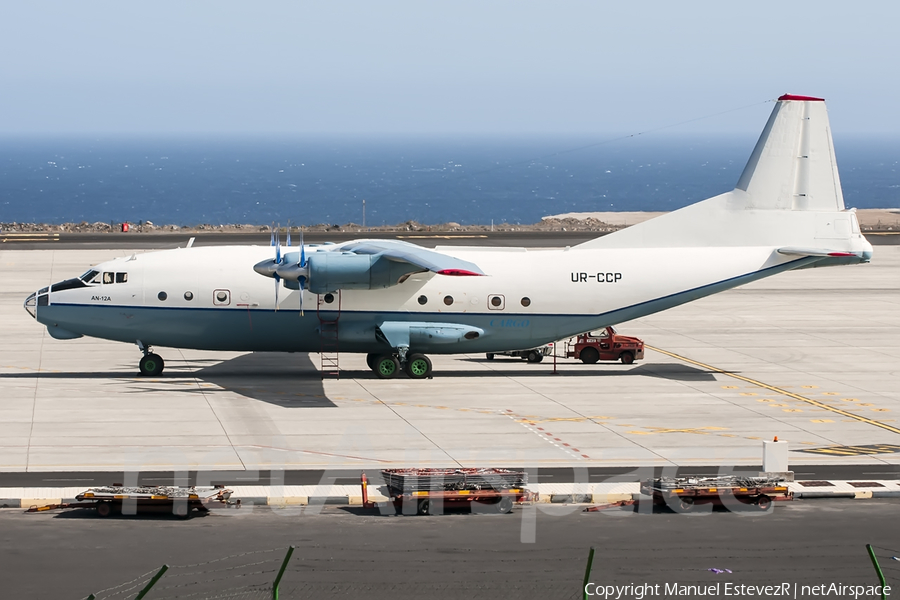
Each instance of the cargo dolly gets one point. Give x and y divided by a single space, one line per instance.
428 491
180 501
684 493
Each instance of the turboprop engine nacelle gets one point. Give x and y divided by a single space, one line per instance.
332 271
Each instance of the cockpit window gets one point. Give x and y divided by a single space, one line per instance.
90 276
108 277
121 277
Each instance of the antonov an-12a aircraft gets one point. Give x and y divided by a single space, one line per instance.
398 302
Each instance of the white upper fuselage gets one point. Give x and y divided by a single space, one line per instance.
525 298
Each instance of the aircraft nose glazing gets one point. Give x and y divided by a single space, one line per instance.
31 305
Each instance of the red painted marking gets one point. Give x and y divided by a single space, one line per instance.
565 444
458 273
585 455
802 98
539 428
841 254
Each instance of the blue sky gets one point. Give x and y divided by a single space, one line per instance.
495 68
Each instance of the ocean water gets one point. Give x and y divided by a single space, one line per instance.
189 181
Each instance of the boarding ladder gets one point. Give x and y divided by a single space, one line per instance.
329 314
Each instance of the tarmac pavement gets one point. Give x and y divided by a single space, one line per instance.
809 356
538 552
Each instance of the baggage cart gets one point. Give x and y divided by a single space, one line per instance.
428 491
684 493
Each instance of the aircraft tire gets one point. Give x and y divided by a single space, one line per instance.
418 366
589 356
371 357
489 356
151 365
387 367
627 358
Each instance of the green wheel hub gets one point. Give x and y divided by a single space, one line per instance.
387 367
418 367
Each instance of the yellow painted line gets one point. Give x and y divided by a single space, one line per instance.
781 391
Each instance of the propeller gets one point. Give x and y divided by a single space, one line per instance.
302 279
298 271
284 267
269 267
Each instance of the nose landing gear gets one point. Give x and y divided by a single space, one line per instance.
150 364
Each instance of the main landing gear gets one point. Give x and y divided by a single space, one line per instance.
150 364
388 366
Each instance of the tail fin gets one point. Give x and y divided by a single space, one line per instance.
793 165
789 195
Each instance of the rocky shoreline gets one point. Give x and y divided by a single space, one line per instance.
570 224
871 220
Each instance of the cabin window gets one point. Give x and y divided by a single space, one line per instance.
188 296
121 277
162 296
526 301
496 302
423 299
448 300
109 277
221 297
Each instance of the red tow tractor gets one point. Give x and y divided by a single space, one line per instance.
605 344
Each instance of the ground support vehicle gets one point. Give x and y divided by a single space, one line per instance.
604 344
116 499
532 355
429 491
684 493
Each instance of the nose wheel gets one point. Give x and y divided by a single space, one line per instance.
151 365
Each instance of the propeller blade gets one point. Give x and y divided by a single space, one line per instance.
288 236
302 250
277 285
302 281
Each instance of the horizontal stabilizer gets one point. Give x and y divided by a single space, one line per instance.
822 252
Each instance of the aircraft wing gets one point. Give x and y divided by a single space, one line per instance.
397 251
